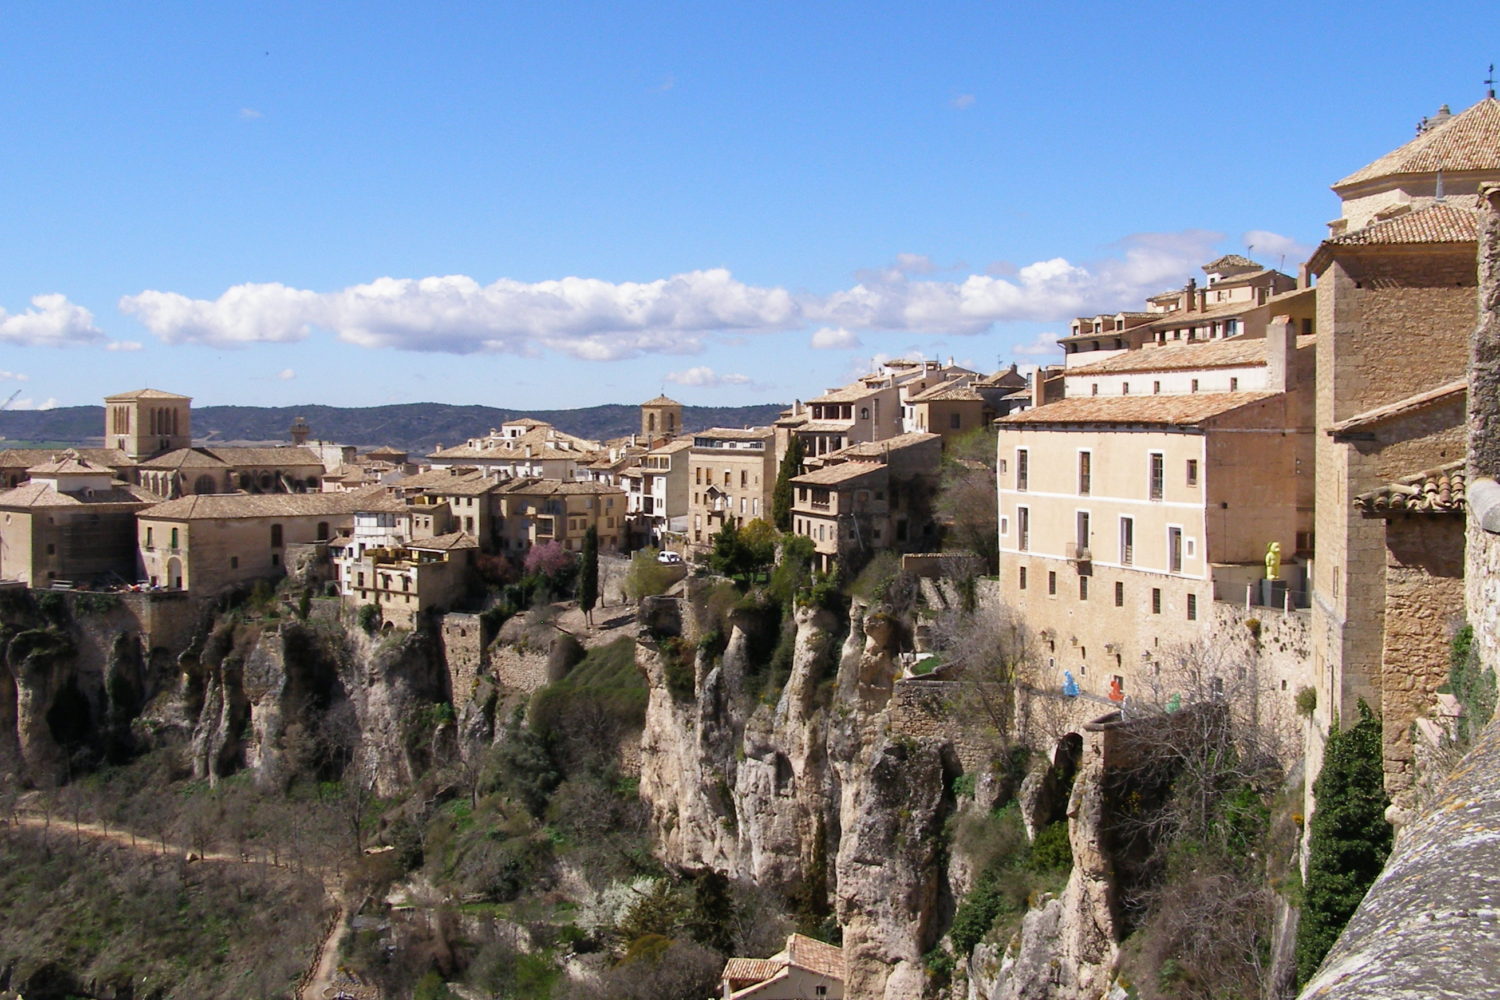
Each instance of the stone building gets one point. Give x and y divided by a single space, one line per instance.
73 522
534 511
657 490
521 448
733 472
867 498
660 418
1396 304
147 422
409 582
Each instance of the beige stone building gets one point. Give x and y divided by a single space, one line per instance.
657 491
733 472
535 511
209 543
520 449
1124 518
660 418
867 498
408 581
1396 303
147 422
872 408
72 522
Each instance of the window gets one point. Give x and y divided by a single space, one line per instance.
1004 526
1023 528
1119 594
1155 388
1023 471
1195 385
1157 475
1094 389
955 421
1085 472
275 536
174 538
234 562
1124 388
148 538
1234 385
1083 588
864 413
1174 550
1156 600
1127 541
1051 583
1192 607
743 480
1081 534
1192 472
1021 579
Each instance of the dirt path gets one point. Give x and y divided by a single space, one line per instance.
323 966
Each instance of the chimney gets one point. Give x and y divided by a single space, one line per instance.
1190 295
1304 275
1281 346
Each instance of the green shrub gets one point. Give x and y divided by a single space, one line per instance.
1306 702
1471 684
369 617
1052 851
1348 838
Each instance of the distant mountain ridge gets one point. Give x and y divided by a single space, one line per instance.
415 427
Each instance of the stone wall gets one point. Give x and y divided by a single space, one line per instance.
465 652
932 711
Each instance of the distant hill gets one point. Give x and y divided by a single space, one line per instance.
414 427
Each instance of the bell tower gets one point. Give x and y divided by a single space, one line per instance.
148 422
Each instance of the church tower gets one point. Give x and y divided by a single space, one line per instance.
148 422
661 417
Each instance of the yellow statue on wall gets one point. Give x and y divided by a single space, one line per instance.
1273 561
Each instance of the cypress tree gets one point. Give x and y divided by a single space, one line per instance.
781 494
1347 840
588 574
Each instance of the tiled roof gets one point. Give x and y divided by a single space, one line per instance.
1442 222
876 449
1171 410
1194 317
1436 491
736 433
386 451
69 462
849 393
661 401
286 454
1229 260
1467 141
25 458
436 479
944 391
834 475
826 426
533 486
1235 352
145 394
445 543
43 495
815 956
751 970
185 458
227 506
1400 408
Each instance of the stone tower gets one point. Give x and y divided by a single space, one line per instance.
299 431
661 417
148 422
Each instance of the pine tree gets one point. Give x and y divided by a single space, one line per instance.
588 581
1347 840
781 495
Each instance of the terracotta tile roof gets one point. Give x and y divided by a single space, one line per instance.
838 474
826 426
1229 260
1194 317
958 389
227 506
815 956
287 454
1400 408
1235 352
145 394
43 495
751 970
1436 491
877 449
736 433
1172 410
661 401
445 543
535 486
69 462
1441 222
386 451
1469 140
25 458
849 393
185 458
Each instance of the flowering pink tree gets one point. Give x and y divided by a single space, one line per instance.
549 559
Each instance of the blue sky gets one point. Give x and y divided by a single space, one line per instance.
564 204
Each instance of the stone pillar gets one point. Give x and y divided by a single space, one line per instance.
1484 347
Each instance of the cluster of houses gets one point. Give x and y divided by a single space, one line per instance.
153 510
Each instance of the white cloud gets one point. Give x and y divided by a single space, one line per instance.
833 338
1041 344
123 345
702 375
286 374
963 101
1272 247
598 320
667 83
6 376
31 404
52 321
250 114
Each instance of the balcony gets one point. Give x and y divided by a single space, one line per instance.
1078 553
